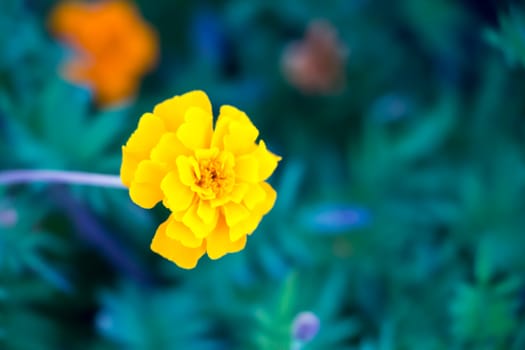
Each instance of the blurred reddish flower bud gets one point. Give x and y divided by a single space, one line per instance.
316 64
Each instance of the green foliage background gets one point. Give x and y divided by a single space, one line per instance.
400 214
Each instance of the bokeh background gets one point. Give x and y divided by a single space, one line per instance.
400 217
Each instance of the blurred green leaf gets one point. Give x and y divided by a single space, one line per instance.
174 319
509 37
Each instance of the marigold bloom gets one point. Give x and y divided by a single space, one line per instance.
113 46
212 179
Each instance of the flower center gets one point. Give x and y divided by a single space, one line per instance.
216 178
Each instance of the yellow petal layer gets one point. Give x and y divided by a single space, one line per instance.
149 131
255 195
128 166
173 250
149 171
145 188
145 195
207 213
245 226
234 213
168 149
267 204
218 243
247 168
177 230
238 192
173 110
241 138
234 131
179 196
197 129
188 169
194 222
267 161
250 223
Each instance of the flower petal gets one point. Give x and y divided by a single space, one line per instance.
196 131
234 213
208 153
218 243
128 167
267 161
145 188
146 136
245 227
188 169
207 213
173 110
238 245
250 223
247 168
240 140
145 195
267 204
173 250
238 192
234 131
192 220
177 230
168 149
220 201
179 196
255 195
149 171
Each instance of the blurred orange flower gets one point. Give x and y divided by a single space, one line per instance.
316 63
113 46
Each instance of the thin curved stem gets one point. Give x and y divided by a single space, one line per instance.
13 177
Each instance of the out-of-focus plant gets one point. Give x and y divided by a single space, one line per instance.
142 319
112 46
483 312
58 131
509 36
29 280
276 321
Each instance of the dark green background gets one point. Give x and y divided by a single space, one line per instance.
400 213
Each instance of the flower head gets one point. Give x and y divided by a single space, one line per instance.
113 47
211 178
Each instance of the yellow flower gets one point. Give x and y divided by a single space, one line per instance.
212 179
